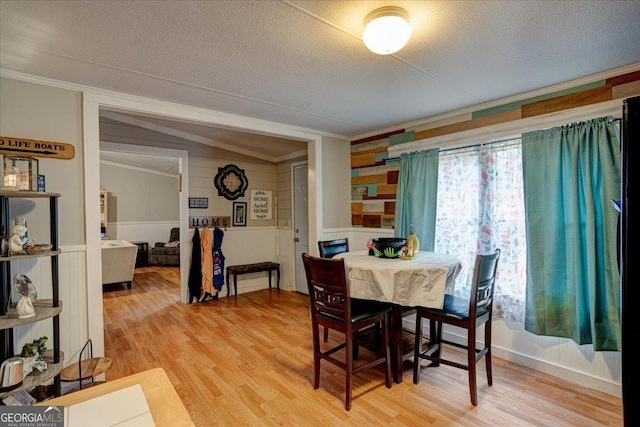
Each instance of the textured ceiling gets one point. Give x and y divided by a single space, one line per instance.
302 63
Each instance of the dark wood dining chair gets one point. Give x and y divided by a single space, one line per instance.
466 313
328 249
332 307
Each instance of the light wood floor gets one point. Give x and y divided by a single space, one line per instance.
248 362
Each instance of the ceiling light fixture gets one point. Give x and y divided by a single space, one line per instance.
386 30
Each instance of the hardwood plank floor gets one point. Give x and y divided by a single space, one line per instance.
248 362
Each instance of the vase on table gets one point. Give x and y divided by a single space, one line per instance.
413 245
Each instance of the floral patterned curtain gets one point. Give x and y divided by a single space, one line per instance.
480 208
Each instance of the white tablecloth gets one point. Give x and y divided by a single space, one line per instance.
422 281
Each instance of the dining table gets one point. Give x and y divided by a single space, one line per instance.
404 284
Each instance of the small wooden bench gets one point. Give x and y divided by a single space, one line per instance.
237 270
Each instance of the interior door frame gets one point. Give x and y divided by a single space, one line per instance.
95 99
294 264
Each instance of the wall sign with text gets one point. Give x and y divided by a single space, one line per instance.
261 205
209 221
198 202
35 148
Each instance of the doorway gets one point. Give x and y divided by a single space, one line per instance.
301 221
92 103
148 159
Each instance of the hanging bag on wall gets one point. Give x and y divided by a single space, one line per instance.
195 272
218 259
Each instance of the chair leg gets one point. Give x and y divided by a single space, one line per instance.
316 356
417 349
326 334
386 325
435 334
378 335
471 363
348 369
487 356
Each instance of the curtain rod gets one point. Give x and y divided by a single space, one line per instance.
478 144
510 129
513 138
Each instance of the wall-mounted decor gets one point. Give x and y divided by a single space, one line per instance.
209 221
198 202
231 182
239 214
34 148
261 206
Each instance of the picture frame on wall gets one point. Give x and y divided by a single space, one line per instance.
198 203
239 214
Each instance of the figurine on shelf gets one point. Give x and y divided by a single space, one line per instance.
4 246
26 290
18 240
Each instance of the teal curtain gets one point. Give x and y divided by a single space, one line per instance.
416 197
570 175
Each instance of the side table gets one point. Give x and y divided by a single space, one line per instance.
142 259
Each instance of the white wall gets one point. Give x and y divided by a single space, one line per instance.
202 171
255 242
48 114
141 205
336 183
51 114
139 196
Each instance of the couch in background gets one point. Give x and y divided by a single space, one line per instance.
167 253
118 262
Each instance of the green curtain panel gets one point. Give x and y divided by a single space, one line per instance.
570 175
416 197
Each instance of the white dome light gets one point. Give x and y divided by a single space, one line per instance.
387 30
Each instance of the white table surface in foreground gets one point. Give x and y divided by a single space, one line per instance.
418 282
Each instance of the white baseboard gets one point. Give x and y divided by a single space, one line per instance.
581 378
568 374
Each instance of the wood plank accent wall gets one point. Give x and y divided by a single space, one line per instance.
617 87
374 177
374 182
586 97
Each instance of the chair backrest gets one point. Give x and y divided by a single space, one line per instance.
328 290
330 248
174 235
483 284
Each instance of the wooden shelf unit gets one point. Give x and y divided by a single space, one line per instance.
37 378
45 309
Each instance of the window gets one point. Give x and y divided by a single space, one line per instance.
480 207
